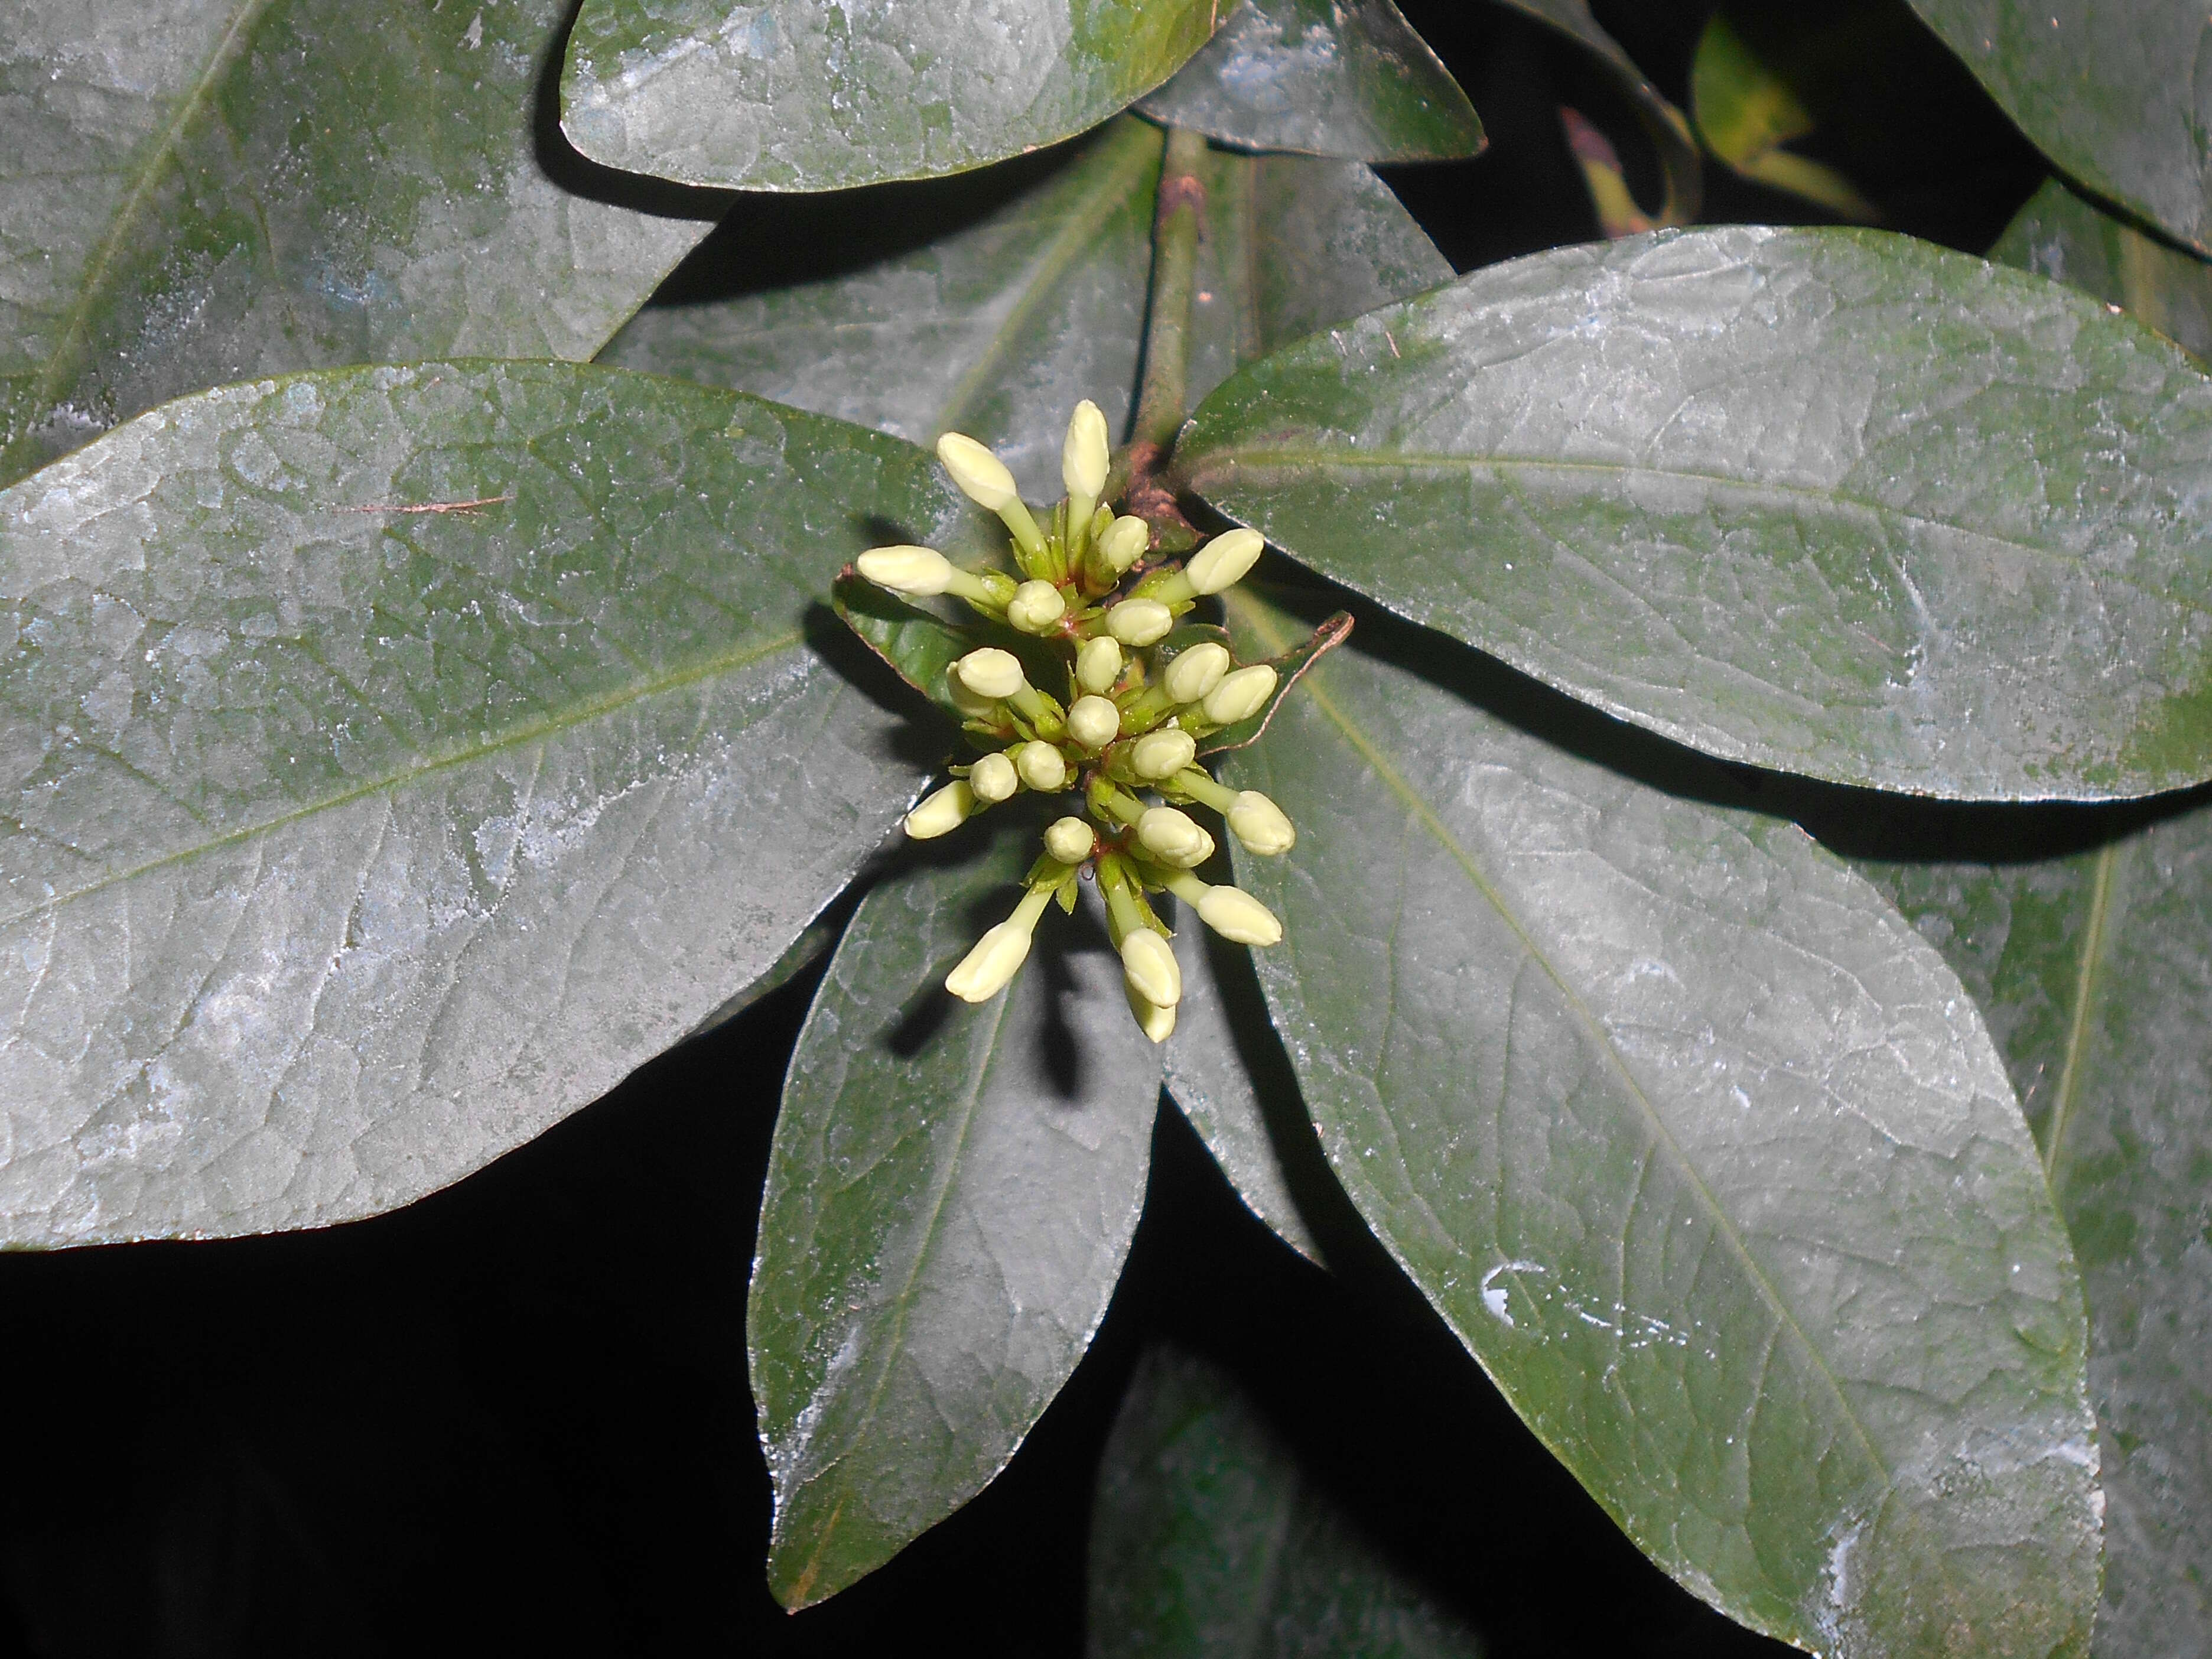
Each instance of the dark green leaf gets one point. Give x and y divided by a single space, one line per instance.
395 757
1828 500
1206 1540
921 646
2060 235
2097 978
1703 1153
951 1195
1346 78
811 95
2109 93
199 191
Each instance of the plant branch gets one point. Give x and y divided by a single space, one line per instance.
1163 394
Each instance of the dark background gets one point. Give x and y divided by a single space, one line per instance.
515 1417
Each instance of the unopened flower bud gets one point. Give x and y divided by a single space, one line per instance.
1236 914
943 812
1162 754
1125 541
1071 840
1098 663
1139 622
982 476
1240 696
1094 722
991 672
1196 672
1151 967
1155 1021
918 572
1037 606
1173 836
1041 767
992 780
1260 825
1222 561
1083 455
991 964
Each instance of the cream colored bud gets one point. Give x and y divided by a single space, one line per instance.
1139 622
1236 914
1125 541
1162 754
982 476
1223 561
991 672
1069 840
1037 606
919 572
1099 665
1173 837
1042 766
1094 722
976 707
1151 967
1155 1021
1083 456
942 811
1260 825
1240 696
991 965
1196 672
993 780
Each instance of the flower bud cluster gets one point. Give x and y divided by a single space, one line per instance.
1122 734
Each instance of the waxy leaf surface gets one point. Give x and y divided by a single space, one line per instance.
2063 236
950 1195
1207 1539
816 95
1322 77
1702 1151
198 190
1827 501
350 842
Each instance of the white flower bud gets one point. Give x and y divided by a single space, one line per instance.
982 476
1158 755
1139 622
1155 1021
1149 967
1223 561
1125 541
1196 672
1083 456
1260 825
1099 665
1094 722
1041 767
1236 914
1036 606
993 780
975 708
989 968
1069 840
943 812
1173 836
918 572
1240 696
991 672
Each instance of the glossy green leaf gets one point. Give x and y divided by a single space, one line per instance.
812 95
2096 973
1322 77
950 1195
1037 298
396 757
2061 235
2108 93
1827 501
1703 1153
1207 1539
199 191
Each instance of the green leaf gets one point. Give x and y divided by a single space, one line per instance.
1037 298
1745 112
950 1195
1828 500
1325 78
2109 93
2095 973
920 646
2060 235
397 756
809 94
1207 1539
1290 667
1702 1153
200 190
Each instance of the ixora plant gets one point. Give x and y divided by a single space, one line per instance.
431 691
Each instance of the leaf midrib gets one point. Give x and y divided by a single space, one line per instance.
2086 977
